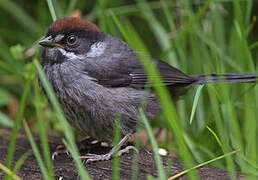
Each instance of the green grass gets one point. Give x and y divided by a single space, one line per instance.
215 36
161 170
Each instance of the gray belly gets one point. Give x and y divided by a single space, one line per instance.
95 115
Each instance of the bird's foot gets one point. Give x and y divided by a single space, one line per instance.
108 156
60 149
85 145
96 157
126 150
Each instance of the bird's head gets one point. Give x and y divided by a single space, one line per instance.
70 38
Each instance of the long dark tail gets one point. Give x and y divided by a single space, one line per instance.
224 78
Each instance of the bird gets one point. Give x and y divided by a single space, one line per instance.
97 77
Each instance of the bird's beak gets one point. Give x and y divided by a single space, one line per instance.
49 42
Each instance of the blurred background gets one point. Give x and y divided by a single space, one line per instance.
215 36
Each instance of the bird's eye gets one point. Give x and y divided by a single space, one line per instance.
71 40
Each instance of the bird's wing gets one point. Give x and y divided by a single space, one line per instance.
130 73
170 76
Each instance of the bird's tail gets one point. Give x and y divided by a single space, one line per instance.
224 78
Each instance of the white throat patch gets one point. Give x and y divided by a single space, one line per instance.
70 55
97 49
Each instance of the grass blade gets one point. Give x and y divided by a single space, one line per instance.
189 25
51 9
9 172
42 130
161 172
22 17
5 120
16 127
21 160
116 160
36 152
71 7
158 30
195 102
215 135
66 128
202 164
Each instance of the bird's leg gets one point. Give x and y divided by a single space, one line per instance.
96 157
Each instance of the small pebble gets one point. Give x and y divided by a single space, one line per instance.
163 152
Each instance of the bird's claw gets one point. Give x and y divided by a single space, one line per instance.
126 150
96 157
60 149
